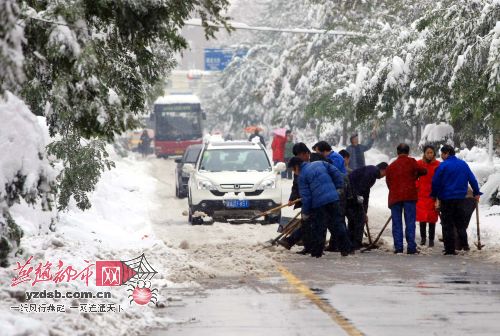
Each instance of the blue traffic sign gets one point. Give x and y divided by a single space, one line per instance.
216 59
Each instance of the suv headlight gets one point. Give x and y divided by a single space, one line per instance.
205 185
267 184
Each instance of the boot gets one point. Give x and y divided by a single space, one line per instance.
303 252
423 227
432 230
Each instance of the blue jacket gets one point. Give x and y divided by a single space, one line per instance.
362 179
318 182
338 161
451 179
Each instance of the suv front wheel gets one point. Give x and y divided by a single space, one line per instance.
194 220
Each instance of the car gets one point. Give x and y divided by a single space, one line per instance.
181 182
233 180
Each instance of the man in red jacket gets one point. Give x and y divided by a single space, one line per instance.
401 177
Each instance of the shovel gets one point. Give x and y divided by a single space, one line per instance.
292 225
370 241
268 212
478 244
374 244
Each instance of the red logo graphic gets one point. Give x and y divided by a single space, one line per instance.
142 293
112 273
117 273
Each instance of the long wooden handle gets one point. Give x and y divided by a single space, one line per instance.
382 231
275 209
477 222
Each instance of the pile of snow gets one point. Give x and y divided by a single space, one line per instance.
117 227
490 188
437 133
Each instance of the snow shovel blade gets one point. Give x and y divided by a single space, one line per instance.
242 221
369 248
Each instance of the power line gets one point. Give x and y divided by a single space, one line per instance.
242 26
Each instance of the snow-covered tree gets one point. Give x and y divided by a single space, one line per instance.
444 69
89 67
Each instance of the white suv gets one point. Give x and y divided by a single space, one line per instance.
233 180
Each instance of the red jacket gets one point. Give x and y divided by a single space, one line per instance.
401 177
426 211
278 147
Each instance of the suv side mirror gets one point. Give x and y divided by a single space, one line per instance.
280 167
178 160
188 168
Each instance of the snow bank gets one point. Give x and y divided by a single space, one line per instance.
117 227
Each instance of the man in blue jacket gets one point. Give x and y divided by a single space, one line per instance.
337 160
318 184
449 186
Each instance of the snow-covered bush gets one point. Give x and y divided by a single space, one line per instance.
437 135
25 172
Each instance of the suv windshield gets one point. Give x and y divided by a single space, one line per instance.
235 159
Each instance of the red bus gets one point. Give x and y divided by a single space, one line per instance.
178 124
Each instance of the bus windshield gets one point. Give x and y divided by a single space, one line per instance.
178 122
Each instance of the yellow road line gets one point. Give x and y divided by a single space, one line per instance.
334 314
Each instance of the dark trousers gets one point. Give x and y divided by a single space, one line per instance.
355 214
454 217
329 215
333 244
423 231
295 236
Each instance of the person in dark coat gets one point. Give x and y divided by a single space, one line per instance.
255 134
357 151
300 151
145 144
401 177
449 186
347 157
361 180
318 184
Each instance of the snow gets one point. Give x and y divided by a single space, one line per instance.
437 133
113 98
117 227
22 141
64 39
178 99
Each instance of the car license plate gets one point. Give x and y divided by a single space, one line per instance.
237 204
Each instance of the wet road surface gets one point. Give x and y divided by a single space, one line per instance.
375 293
